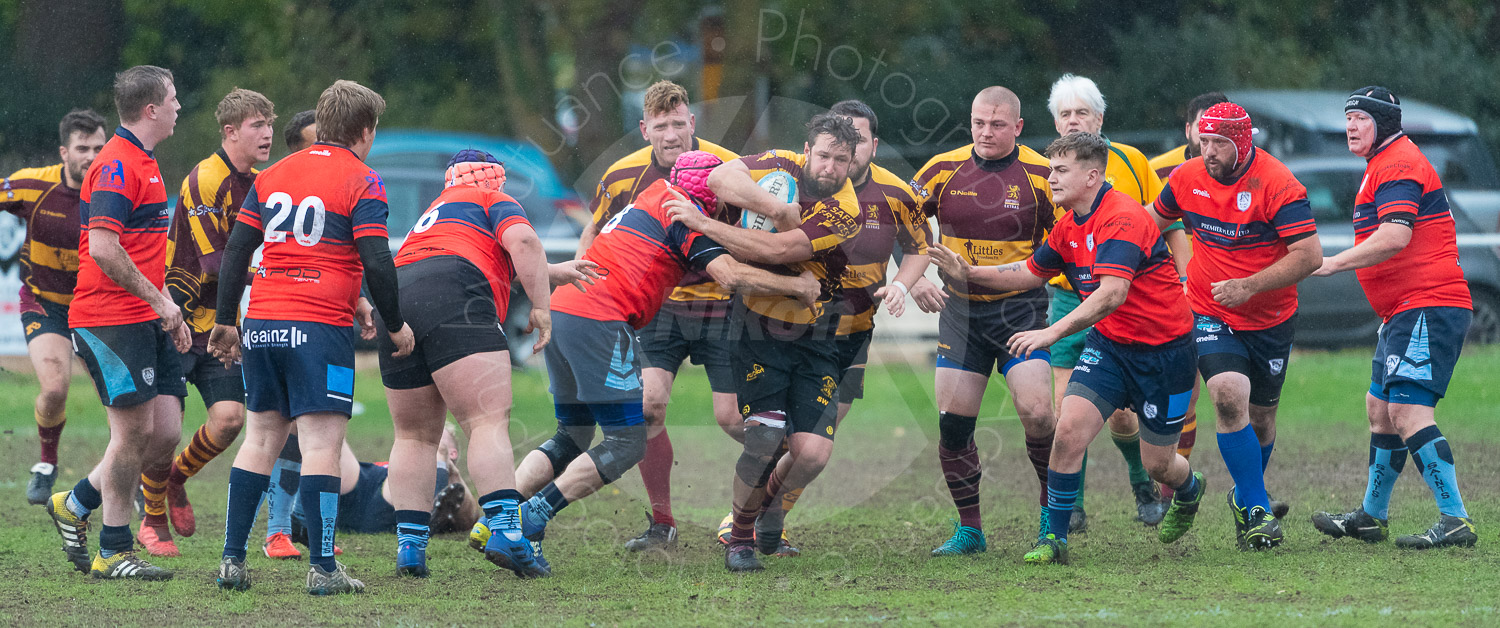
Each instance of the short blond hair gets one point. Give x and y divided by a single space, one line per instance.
345 110
240 105
664 97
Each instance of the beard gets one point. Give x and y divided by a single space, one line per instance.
815 188
77 171
1192 151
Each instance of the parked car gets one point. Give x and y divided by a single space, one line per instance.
1333 310
411 162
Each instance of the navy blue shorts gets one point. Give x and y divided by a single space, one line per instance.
130 364
594 362
1415 354
972 334
1260 354
1154 381
295 367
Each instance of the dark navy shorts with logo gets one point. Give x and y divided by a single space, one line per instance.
592 361
1260 355
130 364
295 367
1415 354
1154 381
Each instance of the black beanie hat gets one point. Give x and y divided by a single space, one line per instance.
1382 106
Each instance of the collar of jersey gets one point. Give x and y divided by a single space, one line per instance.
330 145
223 156
1094 207
1394 138
121 131
996 165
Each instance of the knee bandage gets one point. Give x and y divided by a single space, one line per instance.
621 449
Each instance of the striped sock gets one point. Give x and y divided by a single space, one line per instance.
1062 491
962 471
1039 450
199 452
154 487
744 524
789 499
1387 459
281 497
1185 444
319 495
412 529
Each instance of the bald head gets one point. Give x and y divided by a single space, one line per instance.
995 121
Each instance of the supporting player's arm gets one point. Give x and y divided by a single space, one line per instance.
766 247
1388 240
104 246
576 271
380 275
747 279
732 182
585 240
1107 298
913 265
1302 258
1181 248
525 250
1013 276
224 340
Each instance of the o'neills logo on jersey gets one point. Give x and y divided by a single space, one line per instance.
1202 193
962 193
321 153
262 338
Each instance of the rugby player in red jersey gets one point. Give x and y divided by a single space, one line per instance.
1254 239
125 325
321 216
46 199
594 360
1139 354
1406 257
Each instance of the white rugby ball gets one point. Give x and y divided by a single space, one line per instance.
780 184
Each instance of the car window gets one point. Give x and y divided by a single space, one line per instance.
1331 194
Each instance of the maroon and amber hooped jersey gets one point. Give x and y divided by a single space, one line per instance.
1119 239
890 218
312 205
468 221
122 192
49 257
210 200
1401 186
641 255
1239 229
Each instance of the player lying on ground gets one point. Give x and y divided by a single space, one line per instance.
1139 355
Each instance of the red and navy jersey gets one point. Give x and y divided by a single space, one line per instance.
1401 186
122 192
468 221
1239 228
312 205
1119 239
641 255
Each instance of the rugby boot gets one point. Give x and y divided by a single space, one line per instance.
1149 506
39 488
74 531
965 540
1447 532
657 536
1356 524
180 510
1179 517
127 565
1262 530
233 574
280 546
320 582
1048 551
157 541
739 557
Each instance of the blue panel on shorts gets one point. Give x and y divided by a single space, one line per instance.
340 379
1177 405
117 380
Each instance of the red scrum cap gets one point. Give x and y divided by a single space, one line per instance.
477 168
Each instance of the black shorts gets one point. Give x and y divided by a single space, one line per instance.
1259 354
707 340
591 361
45 317
214 382
972 334
130 364
854 352
798 378
451 309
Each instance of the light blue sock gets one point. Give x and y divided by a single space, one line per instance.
281 496
1435 459
1387 459
1241 452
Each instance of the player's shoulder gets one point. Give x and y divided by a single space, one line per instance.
210 172
1033 162
889 183
1130 152
635 161
1191 172
45 175
719 151
1169 159
1400 160
1275 176
946 161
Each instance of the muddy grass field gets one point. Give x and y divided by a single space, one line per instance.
865 529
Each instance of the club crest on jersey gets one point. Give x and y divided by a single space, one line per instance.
1276 366
148 375
1013 197
1089 242
112 175
917 189
872 216
1242 201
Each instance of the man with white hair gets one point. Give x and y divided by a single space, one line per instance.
1077 106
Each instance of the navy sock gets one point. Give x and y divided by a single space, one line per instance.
1062 491
1241 452
412 529
1189 489
319 495
85 499
1387 458
491 501
115 539
245 492
1435 458
553 498
1265 456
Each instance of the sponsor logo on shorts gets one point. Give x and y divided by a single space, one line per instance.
288 337
1150 409
830 430
755 371
1090 356
1276 366
1209 325
745 411
1082 368
148 375
31 329
1208 338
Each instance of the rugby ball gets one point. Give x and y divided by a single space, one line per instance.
780 184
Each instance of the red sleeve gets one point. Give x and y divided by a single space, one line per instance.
1121 245
1166 202
1048 261
370 212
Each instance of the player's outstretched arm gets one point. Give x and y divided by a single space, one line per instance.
1012 276
1110 295
530 261
908 273
1388 240
747 279
1302 258
732 183
749 245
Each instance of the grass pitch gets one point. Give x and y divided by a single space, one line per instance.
865 529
